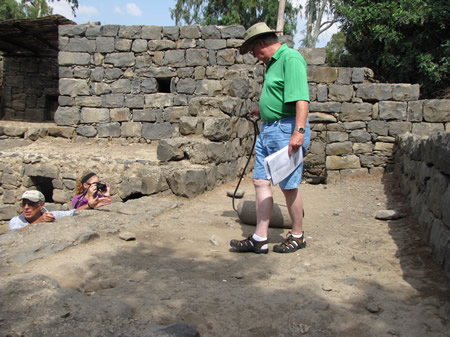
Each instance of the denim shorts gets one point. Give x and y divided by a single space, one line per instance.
273 137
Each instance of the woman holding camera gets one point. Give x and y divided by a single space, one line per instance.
90 193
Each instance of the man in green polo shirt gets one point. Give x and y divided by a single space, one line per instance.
283 109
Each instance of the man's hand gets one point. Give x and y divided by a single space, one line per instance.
46 217
255 112
296 142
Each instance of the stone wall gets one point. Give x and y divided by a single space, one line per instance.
422 169
29 88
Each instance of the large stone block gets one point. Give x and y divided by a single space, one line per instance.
67 115
120 114
217 129
160 100
73 87
87 131
153 181
210 32
121 59
113 100
342 163
336 149
190 32
69 58
322 74
393 110
415 111
93 115
209 88
174 58
325 107
374 92
170 149
186 86
188 183
356 112
145 115
158 130
436 110
360 136
61 196
48 171
130 32
188 125
7 212
139 46
105 44
336 136
196 57
340 93
405 92
108 130
130 129
226 57
151 32
427 129
232 32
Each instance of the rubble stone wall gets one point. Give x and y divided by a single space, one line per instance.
422 168
29 88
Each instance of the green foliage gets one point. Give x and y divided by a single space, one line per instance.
233 12
11 9
403 41
337 55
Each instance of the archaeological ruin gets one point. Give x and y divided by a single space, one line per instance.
183 93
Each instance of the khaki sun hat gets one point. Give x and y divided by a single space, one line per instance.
253 32
34 196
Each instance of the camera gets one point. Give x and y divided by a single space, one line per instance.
101 187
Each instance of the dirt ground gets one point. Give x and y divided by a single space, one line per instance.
358 276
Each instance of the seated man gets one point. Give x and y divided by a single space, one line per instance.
34 211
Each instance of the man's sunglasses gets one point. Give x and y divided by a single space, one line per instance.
29 203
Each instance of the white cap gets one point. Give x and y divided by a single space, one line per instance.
34 196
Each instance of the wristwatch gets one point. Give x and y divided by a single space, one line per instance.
299 129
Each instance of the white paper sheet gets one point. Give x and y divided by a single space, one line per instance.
279 165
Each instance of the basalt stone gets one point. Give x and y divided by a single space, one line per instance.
158 130
108 130
87 131
105 44
188 183
151 32
67 115
73 87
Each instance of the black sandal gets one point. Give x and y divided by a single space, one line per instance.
249 245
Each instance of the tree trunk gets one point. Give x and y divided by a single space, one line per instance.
280 18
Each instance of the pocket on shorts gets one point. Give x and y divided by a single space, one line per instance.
287 128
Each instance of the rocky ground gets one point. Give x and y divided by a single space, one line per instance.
137 268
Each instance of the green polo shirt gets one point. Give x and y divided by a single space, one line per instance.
285 82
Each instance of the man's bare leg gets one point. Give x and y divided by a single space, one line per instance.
294 203
264 206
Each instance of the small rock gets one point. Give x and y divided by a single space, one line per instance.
326 287
213 240
372 307
127 236
388 214
238 275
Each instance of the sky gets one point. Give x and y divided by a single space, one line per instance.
145 12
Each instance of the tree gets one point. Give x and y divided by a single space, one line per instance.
234 12
316 11
337 55
401 40
11 9
36 8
